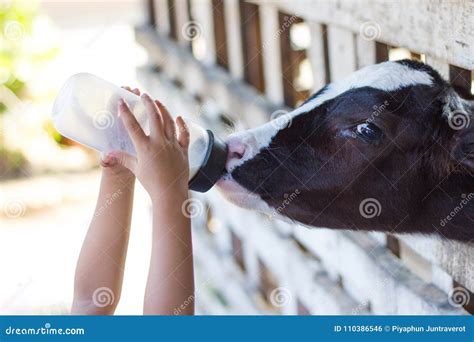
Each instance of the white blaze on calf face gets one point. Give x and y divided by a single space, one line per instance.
388 76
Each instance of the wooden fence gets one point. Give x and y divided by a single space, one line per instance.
235 64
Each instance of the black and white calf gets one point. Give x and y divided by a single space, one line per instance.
389 148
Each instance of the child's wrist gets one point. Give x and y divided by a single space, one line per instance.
123 176
172 196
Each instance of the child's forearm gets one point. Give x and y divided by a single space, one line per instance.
162 165
170 285
100 268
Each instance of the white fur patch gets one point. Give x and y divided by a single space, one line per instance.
388 76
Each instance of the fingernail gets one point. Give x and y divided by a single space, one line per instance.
112 158
106 160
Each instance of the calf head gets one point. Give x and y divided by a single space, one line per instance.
389 148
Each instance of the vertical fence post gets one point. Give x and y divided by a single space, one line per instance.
202 12
162 21
342 57
271 32
316 53
181 20
234 40
365 52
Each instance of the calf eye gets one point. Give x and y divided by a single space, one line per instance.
368 132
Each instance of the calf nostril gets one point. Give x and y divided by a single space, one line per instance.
236 155
236 150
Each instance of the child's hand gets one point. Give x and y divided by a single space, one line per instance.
161 164
110 164
113 169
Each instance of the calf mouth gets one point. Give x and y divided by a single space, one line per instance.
239 195
251 171
246 185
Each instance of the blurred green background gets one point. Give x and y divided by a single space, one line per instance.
48 184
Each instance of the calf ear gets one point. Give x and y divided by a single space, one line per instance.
462 122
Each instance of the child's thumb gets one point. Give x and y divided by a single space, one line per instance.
126 160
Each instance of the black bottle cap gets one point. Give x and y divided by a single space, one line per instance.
213 166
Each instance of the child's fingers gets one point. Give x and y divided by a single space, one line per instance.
183 132
131 124
168 122
156 122
125 159
136 91
108 160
